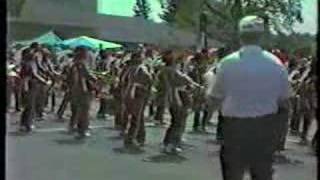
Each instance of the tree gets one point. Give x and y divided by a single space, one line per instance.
169 11
224 16
142 9
15 7
295 42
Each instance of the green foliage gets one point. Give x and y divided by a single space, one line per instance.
169 11
297 42
142 9
224 15
304 43
15 7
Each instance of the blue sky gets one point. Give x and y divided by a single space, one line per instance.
113 7
125 8
309 14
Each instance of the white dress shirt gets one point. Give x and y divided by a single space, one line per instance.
250 83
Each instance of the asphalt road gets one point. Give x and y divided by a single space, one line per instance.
51 154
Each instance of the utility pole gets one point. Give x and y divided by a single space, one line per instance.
203 23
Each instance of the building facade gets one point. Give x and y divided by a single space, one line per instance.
73 18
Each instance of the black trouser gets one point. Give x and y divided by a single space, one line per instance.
318 161
103 106
24 97
207 114
317 145
8 97
283 125
178 122
30 107
307 120
159 112
249 144
52 96
315 138
136 132
223 163
65 101
197 115
9 89
117 110
53 100
295 118
219 135
151 108
42 97
205 117
17 96
80 106
159 103
124 116
118 116
196 119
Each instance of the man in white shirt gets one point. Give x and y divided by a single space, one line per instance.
251 89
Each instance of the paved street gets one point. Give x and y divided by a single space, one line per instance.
51 154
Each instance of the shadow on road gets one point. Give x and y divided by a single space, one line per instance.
157 126
123 150
165 158
18 133
115 138
70 141
65 132
187 146
110 128
201 133
285 160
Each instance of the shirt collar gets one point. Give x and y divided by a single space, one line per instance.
250 49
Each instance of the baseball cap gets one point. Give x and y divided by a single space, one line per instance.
251 24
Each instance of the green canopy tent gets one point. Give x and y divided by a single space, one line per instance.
49 38
89 42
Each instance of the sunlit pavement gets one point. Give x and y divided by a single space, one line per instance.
51 154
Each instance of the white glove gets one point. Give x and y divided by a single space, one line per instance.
49 83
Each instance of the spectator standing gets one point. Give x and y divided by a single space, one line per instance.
252 87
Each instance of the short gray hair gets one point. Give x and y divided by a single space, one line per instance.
251 38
